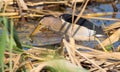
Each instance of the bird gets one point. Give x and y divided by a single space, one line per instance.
83 30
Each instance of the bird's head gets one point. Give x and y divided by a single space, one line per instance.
46 20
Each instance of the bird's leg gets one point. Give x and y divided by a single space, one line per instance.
35 31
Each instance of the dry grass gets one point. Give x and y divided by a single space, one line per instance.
33 59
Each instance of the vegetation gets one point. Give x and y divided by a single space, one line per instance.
18 54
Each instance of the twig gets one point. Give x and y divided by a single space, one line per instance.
72 56
8 14
101 44
88 48
112 26
56 2
16 63
100 18
81 12
22 4
100 14
102 70
29 65
69 52
113 38
1 4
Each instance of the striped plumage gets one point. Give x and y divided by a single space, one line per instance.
83 30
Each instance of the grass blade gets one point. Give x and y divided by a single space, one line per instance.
3 40
15 36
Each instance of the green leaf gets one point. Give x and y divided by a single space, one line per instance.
2 50
15 36
3 45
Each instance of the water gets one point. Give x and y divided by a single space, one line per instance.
100 8
105 8
53 38
47 39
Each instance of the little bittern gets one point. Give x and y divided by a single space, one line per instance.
83 30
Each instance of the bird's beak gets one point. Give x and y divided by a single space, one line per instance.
37 29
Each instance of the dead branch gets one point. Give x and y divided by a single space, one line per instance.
112 39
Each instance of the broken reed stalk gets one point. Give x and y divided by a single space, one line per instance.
72 42
30 15
100 14
102 56
37 58
29 65
38 15
80 8
88 48
22 4
15 59
67 46
1 4
73 48
40 67
80 14
102 70
50 2
73 13
5 5
16 62
107 34
9 14
45 12
112 26
118 48
70 52
113 38
43 3
16 15
100 18
24 64
101 44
